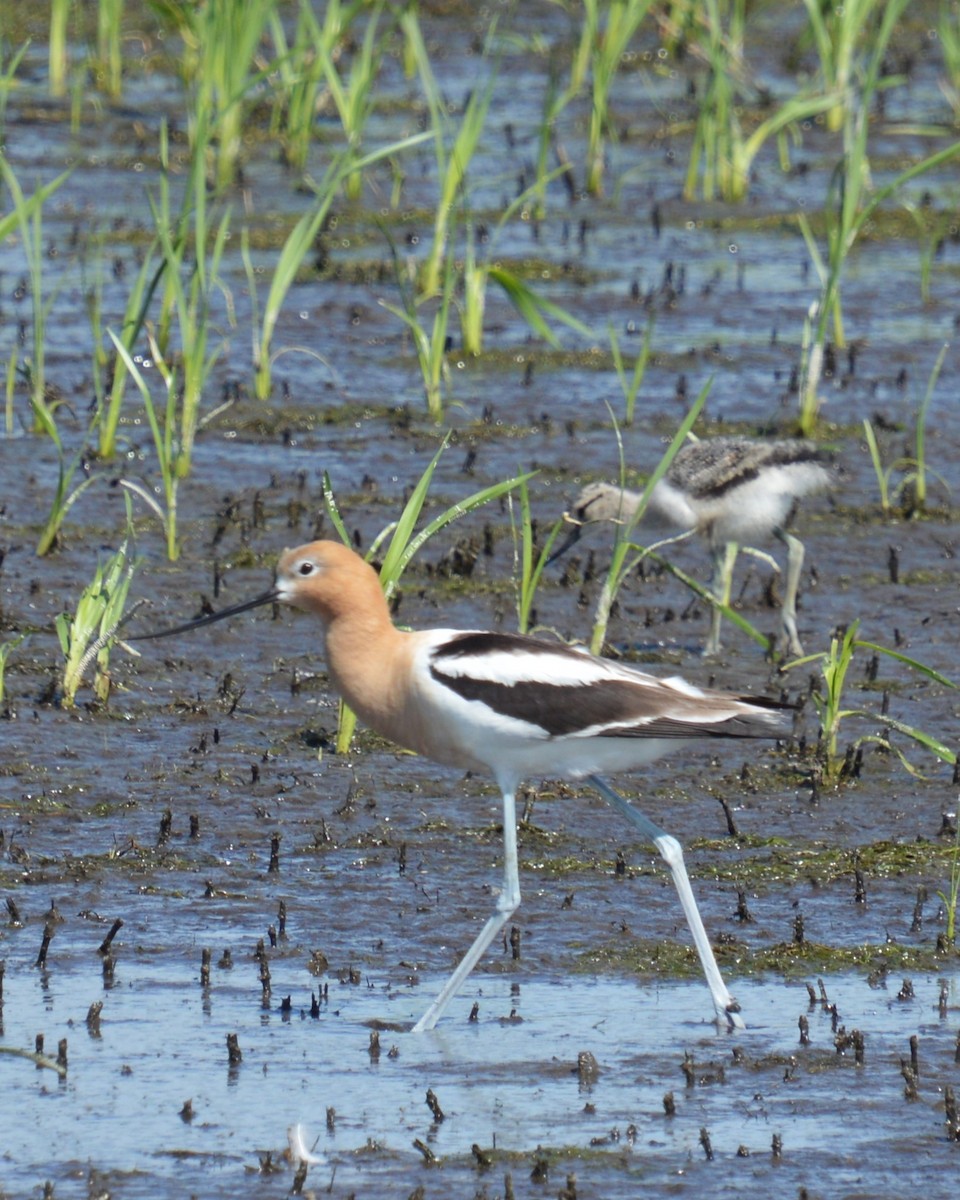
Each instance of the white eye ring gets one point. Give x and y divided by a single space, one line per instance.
305 568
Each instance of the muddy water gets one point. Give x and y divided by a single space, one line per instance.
385 864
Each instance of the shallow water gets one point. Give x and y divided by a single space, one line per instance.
508 1083
386 864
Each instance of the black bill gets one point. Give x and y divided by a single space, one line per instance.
271 597
570 540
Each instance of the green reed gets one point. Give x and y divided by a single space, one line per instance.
297 246
57 47
846 214
722 153
10 390
607 47
353 96
554 100
529 557
93 303
109 57
915 468
229 44
918 476
721 603
477 274
8 72
829 701
842 34
630 385
27 218
948 31
453 149
6 649
429 341
300 72
188 301
850 205
950 898
220 65
88 636
882 473
467 285
131 329
405 542
65 494
165 431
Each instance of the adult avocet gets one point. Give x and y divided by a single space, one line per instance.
509 706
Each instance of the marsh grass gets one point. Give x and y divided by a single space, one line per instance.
834 666
188 291
27 217
403 542
913 487
354 95
300 71
948 31
87 637
314 58
429 341
226 38
57 47
453 148
477 273
847 211
536 309
882 473
163 429
606 50
466 284
950 897
597 55
918 467
108 65
8 72
529 556
721 603
10 391
842 33
131 329
297 246
65 494
932 229
722 153
630 385
6 649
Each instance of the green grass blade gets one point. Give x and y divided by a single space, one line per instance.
929 672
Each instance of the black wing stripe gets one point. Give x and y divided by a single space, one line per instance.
563 710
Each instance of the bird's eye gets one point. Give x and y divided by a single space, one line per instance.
306 568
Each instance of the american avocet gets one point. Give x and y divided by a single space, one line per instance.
508 706
733 492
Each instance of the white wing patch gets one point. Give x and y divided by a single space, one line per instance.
679 684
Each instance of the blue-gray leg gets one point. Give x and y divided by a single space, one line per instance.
507 903
727 1009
